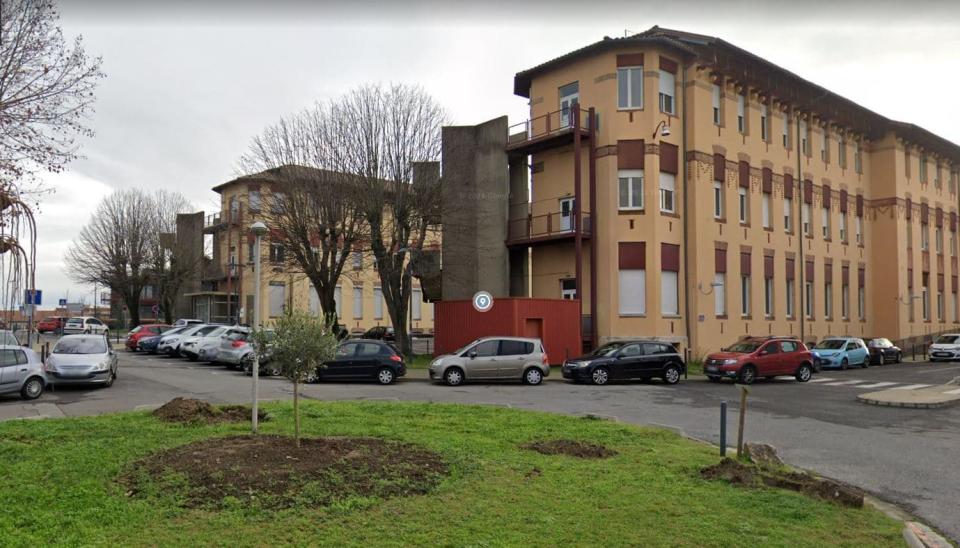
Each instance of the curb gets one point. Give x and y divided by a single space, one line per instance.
918 535
907 405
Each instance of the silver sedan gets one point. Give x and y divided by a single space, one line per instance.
82 359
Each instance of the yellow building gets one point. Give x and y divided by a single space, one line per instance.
228 281
722 195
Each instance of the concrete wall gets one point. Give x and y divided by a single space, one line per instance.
189 242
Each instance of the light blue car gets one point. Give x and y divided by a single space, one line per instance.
841 352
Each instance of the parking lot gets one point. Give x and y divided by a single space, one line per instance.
904 455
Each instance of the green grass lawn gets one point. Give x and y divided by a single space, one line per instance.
58 487
420 361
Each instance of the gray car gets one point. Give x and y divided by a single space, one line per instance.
170 343
493 358
82 359
21 371
208 346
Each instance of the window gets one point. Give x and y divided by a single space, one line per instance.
825 222
744 205
828 300
825 146
378 303
515 348
954 176
805 219
789 296
717 200
357 260
843 226
788 214
630 87
358 303
568 289
936 175
716 104
859 227
631 188
667 188
764 123
569 97
741 114
337 299
416 304
486 349
923 168
939 306
253 200
862 302
956 308
953 244
925 297
842 152
938 240
924 237
786 130
278 298
765 209
804 138
667 87
720 294
669 295
745 295
909 234
768 297
857 159
278 202
633 292
277 253
845 301
808 298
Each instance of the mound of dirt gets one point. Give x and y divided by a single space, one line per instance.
749 475
189 410
571 448
275 473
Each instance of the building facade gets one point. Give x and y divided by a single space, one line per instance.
687 190
227 292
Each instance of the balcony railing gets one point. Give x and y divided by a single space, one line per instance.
558 125
545 226
211 220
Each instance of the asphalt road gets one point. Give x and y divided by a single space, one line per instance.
906 456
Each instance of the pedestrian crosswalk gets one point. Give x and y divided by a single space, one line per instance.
867 385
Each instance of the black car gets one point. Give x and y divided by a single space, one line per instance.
380 332
627 360
882 351
364 359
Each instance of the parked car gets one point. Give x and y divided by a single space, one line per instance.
882 351
208 346
755 357
184 322
189 343
84 324
82 359
945 347
52 324
149 344
841 352
380 332
170 343
627 360
21 371
493 358
364 359
141 331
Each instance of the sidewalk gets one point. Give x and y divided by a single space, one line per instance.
934 397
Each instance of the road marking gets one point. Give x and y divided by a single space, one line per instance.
911 387
844 383
953 392
822 379
877 385
939 369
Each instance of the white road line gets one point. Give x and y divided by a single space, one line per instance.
877 385
939 369
953 392
845 383
911 387
822 379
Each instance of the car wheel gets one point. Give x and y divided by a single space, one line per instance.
275 371
844 364
385 375
866 363
804 373
713 379
600 376
533 376
86 332
748 374
311 377
109 383
32 388
453 376
899 357
882 360
671 375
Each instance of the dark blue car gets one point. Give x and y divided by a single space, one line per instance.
149 344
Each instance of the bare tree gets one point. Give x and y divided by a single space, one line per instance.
170 264
46 91
115 247
313 213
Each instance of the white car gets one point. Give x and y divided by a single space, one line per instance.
945 347
185 321
84 325
170 343
208 346
189 343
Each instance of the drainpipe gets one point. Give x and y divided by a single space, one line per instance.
594 330
686 217
800 237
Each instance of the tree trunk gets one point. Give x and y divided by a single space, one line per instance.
296 412
133 308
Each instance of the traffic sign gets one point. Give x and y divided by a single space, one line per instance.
156 309
482 301
63 302
33 296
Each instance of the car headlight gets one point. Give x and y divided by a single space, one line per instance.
583 364
730 361
435 363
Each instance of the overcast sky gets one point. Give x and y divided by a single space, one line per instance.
189 83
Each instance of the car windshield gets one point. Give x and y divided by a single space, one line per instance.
830 344
946 339
174 331
136 329
744 347
464 348
75 321
608 349
81 345
877 343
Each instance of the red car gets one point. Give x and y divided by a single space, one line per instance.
141 331
756 357
52 324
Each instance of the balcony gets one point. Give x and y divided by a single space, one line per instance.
548 131
544 227
218 221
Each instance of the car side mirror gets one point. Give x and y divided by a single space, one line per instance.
472 354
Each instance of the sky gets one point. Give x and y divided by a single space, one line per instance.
190 83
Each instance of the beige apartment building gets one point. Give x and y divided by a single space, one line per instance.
689 190
228 281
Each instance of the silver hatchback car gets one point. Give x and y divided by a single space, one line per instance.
82 359
21 371
493 358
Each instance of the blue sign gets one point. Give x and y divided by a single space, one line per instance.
34 297
63 302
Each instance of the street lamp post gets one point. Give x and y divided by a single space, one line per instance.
259 230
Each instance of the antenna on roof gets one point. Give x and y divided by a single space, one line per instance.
628 32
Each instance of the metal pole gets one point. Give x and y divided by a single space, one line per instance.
743 414
723 428
256 326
